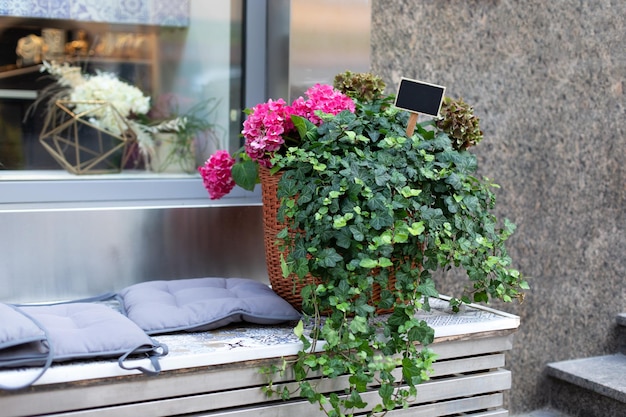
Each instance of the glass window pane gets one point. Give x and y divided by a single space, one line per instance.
179 68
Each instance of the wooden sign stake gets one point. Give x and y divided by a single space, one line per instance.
410 128
418 97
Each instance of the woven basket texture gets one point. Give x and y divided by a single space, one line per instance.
288 288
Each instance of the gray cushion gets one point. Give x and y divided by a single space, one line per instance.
22 341
200 304
88 330
37 335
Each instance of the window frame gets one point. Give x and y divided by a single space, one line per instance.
35 190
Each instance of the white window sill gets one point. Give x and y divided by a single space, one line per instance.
60 190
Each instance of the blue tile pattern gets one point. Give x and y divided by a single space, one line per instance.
147 12
243 337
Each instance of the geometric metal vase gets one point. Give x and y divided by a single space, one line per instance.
80 144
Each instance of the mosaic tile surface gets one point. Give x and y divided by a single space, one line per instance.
228 339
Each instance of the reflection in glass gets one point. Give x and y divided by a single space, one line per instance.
178 67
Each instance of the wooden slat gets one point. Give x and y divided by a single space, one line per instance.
236 387
92 394
464 365
446 408
76 396
437 390
471 347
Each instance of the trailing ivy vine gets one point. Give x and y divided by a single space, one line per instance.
371 215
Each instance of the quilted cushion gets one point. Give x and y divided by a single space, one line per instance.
22 341
37 335
86 330
200 304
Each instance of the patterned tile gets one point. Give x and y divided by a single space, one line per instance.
93 10
133 11
58 9
171 12
244 337
159 12
17 8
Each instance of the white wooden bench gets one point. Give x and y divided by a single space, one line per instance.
217 374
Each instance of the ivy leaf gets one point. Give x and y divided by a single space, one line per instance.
245 174
385 392
301 267
434 216
397 319
329 258
377 223
359 325
368 263
417 228
410 372
356 233
422 333
455 181
284 267
384 262
344 238
481 296
305 128
428 289
299 329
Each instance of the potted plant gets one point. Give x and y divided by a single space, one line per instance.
165 136
90 119
175 135
368 215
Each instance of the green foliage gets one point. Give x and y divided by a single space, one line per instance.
245 172
187 127
363 86
457 119
375 209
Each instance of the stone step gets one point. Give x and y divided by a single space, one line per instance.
544 412
596 384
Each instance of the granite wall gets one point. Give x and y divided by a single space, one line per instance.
547 80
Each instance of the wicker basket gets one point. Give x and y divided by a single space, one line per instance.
288 288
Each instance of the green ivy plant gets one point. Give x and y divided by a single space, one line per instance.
368 208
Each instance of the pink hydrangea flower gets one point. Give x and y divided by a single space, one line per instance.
216 174
263 129
268 123
321 97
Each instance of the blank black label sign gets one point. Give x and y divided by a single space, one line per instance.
419 97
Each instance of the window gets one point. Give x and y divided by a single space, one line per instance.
188 56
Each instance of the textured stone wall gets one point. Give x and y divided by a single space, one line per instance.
547 79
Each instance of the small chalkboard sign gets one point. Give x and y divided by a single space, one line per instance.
419 97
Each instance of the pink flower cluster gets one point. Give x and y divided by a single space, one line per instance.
216 174
321 97
268 123
265 130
